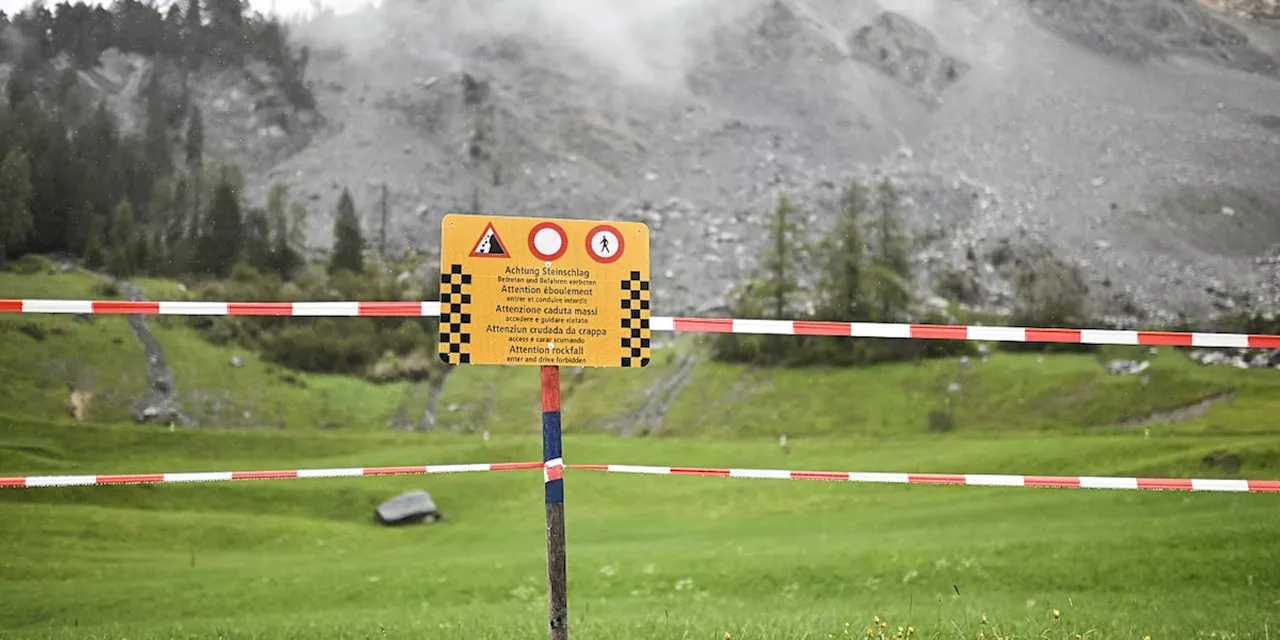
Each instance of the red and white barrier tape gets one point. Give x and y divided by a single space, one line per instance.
223 476
667 323
186 308
972 480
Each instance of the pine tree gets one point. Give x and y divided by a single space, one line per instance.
140 253
171 42
175 231
158 260
57 192
95 253
159 160
21 85
195 157
226 32
784 262
257 240
841 283
771 294
348 241
16 223
889 274
222 241
298 229
193 35
283 258
382 228
122 260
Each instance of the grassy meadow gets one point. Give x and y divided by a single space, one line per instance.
648 557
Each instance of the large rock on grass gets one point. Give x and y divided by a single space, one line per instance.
413 507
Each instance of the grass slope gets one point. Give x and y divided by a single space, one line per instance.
1005 393
648 557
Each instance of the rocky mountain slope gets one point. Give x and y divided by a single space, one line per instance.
1140 136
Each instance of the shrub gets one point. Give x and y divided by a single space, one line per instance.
941 421
106 289
29 264
1050 293
349 346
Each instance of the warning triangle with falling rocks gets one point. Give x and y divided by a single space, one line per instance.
490 245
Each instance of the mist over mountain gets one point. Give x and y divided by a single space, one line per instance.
1140 137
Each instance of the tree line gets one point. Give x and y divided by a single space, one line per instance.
221 33
72 183
861 272
151 204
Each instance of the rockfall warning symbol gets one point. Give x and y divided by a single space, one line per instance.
490 245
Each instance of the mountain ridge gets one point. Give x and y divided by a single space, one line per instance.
1151 167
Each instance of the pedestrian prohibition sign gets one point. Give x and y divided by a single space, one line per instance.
544 292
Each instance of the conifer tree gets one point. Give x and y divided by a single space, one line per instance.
121 261
222 241
771 294
193 36
785 260
841 283
257 240
348 241
282 256
159 160
16 223
177 245
889 274
298 228
195 158
95 252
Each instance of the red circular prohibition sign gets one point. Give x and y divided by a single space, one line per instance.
622 244
555 255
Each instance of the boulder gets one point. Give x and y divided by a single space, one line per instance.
1127 367
906 52
413 507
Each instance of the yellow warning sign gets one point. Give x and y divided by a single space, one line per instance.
537 291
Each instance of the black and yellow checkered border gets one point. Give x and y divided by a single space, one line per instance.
455 316
636 349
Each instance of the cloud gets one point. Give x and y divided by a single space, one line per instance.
644 41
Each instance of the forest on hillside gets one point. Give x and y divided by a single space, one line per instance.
72 182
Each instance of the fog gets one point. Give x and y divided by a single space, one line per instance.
653 43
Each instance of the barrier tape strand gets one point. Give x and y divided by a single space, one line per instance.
224 476
557 467
674 324
969 479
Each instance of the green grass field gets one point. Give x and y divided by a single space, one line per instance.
648 557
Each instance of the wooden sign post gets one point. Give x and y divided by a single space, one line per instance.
545 293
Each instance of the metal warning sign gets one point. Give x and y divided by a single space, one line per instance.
536 291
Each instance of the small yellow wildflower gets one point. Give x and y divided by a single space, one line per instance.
981 635
727 636
911 630
1056 614
984 618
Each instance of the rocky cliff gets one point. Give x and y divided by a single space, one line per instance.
1141 137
